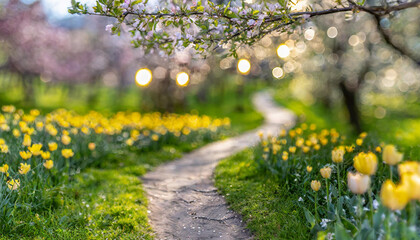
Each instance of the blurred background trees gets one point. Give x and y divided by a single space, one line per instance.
360 67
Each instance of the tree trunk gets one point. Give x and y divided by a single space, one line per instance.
350 96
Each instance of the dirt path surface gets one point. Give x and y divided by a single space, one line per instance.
183 202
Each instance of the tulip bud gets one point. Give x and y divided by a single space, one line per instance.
394 197
391 156
358 183
309 169
366 163
315 185
326 172
337 155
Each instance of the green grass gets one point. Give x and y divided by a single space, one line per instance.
269 210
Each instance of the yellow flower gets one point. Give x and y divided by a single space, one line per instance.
363 135
324 141
305 149
4 148
261 134
358 183
24 168
276 148
337 155
359 142
16 133
25 155
378 149
317 147
49 164
309 169
409 167
92 146
315 185
66 139
326 172
285 156
46 155
8 108
394 197
155 137
35 112
366 163
4 168
13 184
27 140
391 156
39 126
283 133
129 142
299 142
36 149
52 146
299 131
292 149
312 127
292 133
412 182
350 148
67 153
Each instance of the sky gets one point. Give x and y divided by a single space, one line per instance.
58 9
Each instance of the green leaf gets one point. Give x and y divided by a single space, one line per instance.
226 8
341 233
309 217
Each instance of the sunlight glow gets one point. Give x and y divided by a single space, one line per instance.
182 79
283 51
244 66
277 72
143 77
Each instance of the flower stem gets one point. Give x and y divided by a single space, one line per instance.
338 180
390 172
316 206
371 206
387 225
359 211
328 192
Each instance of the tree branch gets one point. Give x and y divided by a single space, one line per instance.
387 37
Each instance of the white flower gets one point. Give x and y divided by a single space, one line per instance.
375 204
251 22
109 27
300 199
324 222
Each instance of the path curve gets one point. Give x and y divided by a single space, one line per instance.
183 202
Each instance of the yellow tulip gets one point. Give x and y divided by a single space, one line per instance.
412 182
25 155
4 168
292 149
67 153
312 127
16 133
4 148
359 142
49 164
409 167
326 172
394 197
299 142
52 146
92 146
309 169
363 135
391 156
305 149
46 155
358 183
315 185
66 139
366 163
24 168
337 155
324 141
36 149
378 149
282 132
27 140
350 148
317 147
13 184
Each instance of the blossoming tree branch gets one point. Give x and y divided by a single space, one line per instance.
204 25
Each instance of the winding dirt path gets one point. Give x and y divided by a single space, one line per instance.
183 202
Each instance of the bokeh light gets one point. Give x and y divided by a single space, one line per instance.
283 51
332 32
244 66
309 34
182 79
277 72
143 77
